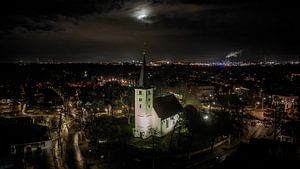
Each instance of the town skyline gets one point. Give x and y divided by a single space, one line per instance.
152 84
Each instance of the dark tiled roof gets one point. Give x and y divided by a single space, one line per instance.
15 132
166 106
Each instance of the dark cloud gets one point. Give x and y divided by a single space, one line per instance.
95 30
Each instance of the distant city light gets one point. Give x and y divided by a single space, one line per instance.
102 141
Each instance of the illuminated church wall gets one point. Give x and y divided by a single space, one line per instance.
143 112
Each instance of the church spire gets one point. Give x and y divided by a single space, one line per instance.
142 80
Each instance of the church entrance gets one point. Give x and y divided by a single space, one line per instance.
141 134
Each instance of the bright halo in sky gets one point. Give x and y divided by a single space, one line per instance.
142 14
141 17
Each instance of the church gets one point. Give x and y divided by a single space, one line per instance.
158 114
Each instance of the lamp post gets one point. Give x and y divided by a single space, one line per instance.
262 102
257 105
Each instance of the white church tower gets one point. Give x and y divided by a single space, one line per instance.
143 105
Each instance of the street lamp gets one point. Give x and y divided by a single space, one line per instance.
257 103
262 102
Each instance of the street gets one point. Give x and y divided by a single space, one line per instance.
74 158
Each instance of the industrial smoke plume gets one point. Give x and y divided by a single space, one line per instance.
234 54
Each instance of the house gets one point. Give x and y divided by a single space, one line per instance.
205 92
153 115
289 101
23 136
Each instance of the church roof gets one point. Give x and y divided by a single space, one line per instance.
166 106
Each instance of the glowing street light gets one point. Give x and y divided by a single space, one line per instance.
262 102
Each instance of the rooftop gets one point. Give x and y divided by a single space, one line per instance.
166 106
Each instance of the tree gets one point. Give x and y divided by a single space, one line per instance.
177 127
218 126
192 122
224 123
191 119
104 129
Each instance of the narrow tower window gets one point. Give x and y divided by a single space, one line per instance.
167 123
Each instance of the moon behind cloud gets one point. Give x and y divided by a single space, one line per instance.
142 13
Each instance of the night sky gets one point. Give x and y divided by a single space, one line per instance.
116 30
